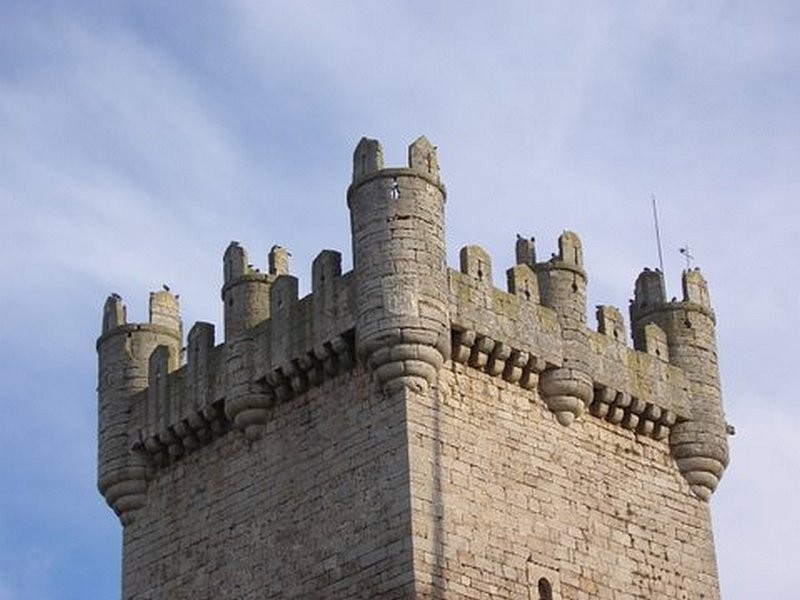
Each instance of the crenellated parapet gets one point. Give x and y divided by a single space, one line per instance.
400 317
534 334
160 400
550 350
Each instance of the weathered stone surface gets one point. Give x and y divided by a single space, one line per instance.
399 432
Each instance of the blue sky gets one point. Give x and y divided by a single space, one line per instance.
138 138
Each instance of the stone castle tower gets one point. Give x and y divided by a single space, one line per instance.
411 431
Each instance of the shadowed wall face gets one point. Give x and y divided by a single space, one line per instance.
317 507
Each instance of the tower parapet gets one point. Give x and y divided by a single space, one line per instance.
402 313
699 438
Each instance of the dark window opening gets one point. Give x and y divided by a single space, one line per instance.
545 589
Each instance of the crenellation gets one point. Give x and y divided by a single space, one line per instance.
200 365
655 341
422 157
164 310
610 322
521 281
325 270
476 263
398 432
114 313
695 289
286 328
235 263
278 261
570 249
367 158
161 412
525 251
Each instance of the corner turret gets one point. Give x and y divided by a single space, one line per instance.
397 218
124 351
698 443
567 389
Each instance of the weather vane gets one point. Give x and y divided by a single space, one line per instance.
688 255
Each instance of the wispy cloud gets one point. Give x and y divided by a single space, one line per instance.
32 574
138 139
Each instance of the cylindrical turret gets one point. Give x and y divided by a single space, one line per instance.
699 443
124 351
567 390
245 292
649 299
247 302
397 218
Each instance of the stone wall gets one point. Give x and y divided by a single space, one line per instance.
503 495
317 507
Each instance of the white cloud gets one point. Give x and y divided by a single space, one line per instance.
128 160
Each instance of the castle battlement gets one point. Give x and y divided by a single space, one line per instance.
401 318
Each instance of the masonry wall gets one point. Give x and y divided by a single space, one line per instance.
316 508
503 495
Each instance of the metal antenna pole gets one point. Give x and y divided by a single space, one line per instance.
658 235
